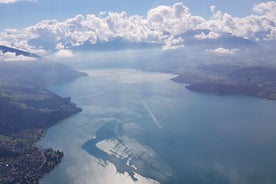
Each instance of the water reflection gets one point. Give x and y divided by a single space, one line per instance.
201 138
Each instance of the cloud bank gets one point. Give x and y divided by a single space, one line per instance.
64 54
222 51
163 25
11 56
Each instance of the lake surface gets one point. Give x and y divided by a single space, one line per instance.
141 127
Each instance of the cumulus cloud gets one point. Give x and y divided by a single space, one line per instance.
267 13
213 9
268 9
83 29
173 43
163 25
263 21
210 35
222 51
174 20
11 56
64 54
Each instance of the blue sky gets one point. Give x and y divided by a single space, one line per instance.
26 12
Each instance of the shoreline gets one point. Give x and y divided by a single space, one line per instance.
25 161
211 81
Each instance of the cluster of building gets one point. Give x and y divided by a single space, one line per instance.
22 162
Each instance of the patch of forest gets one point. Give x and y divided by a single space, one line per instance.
25 106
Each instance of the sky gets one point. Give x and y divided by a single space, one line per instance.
56 26
22 13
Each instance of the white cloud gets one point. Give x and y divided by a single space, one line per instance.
7 1
162 24
174 20
172 47
210 35
11 56
14 1
268 9
222 51
213 9
267 13
272 35
64 54
102 13
263 21
79 29
173 43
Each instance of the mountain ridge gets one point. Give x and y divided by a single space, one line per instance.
18 52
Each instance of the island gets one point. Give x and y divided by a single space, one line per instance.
28 108
223 79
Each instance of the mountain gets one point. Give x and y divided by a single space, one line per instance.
25 106
28 108
225 41
116 44
43 73
6 49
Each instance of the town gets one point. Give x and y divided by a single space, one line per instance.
21 161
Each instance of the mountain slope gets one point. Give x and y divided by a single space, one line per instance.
26 106
41 73
226 41
6 49
27 110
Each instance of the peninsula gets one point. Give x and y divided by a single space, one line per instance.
231 80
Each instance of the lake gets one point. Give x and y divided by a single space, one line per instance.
141 127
